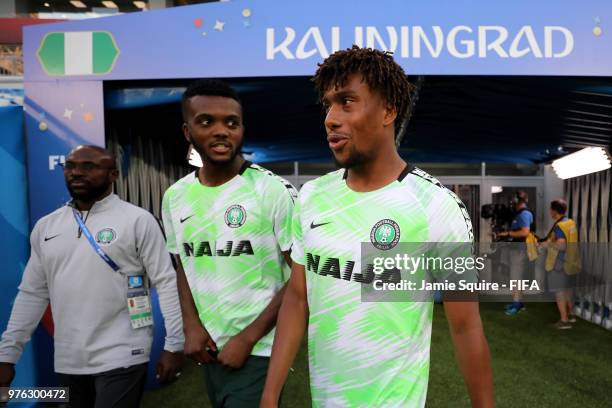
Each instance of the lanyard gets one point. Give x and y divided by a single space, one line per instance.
93 242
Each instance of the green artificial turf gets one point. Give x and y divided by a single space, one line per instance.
534 365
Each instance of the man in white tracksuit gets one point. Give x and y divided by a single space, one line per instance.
99 299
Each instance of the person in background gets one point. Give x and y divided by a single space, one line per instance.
522 225
561 260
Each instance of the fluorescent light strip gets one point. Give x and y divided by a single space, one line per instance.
585 161
140 4
110 4
78 4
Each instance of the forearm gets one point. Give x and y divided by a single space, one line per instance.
27 311
290 328
518 234
266 320
472 353
188 307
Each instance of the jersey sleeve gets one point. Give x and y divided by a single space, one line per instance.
171 245
297 250
452 233
450 221
30 304
283 195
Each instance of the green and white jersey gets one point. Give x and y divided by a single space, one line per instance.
230 240
368 354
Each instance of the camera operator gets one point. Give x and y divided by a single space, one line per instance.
522 225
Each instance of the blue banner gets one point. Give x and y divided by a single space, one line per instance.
280 38
59 117
14 225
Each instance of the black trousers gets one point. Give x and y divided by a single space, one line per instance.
118 388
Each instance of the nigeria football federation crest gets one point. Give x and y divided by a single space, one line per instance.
235 216
385 234
106 236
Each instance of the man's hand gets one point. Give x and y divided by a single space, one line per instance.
169 366
197 344
236 351
7 374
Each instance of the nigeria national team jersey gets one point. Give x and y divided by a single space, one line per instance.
368 354
230 240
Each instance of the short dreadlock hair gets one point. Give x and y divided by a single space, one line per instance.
208 87
379 71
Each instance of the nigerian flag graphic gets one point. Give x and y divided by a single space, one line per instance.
78 53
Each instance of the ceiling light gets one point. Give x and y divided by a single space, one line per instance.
78 4
140 4
194 158
109 4
47 5
585 161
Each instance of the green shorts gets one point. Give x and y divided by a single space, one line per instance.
236 388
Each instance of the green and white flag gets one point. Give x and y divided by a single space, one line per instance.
78 53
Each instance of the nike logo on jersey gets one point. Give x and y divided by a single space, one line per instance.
313 225
50 238
182 220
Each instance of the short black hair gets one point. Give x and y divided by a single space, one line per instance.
379 71
559 206
521 197
208 87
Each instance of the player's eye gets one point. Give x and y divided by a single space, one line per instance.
204 121
233 123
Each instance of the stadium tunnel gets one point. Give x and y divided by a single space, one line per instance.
515 125
485 137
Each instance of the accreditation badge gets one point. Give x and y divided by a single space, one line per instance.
139 302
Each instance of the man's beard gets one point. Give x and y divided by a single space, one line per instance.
92 194
355 159
205 159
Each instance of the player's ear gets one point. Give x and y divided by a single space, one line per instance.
186 132
389 116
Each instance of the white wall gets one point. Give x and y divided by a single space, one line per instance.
553 189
